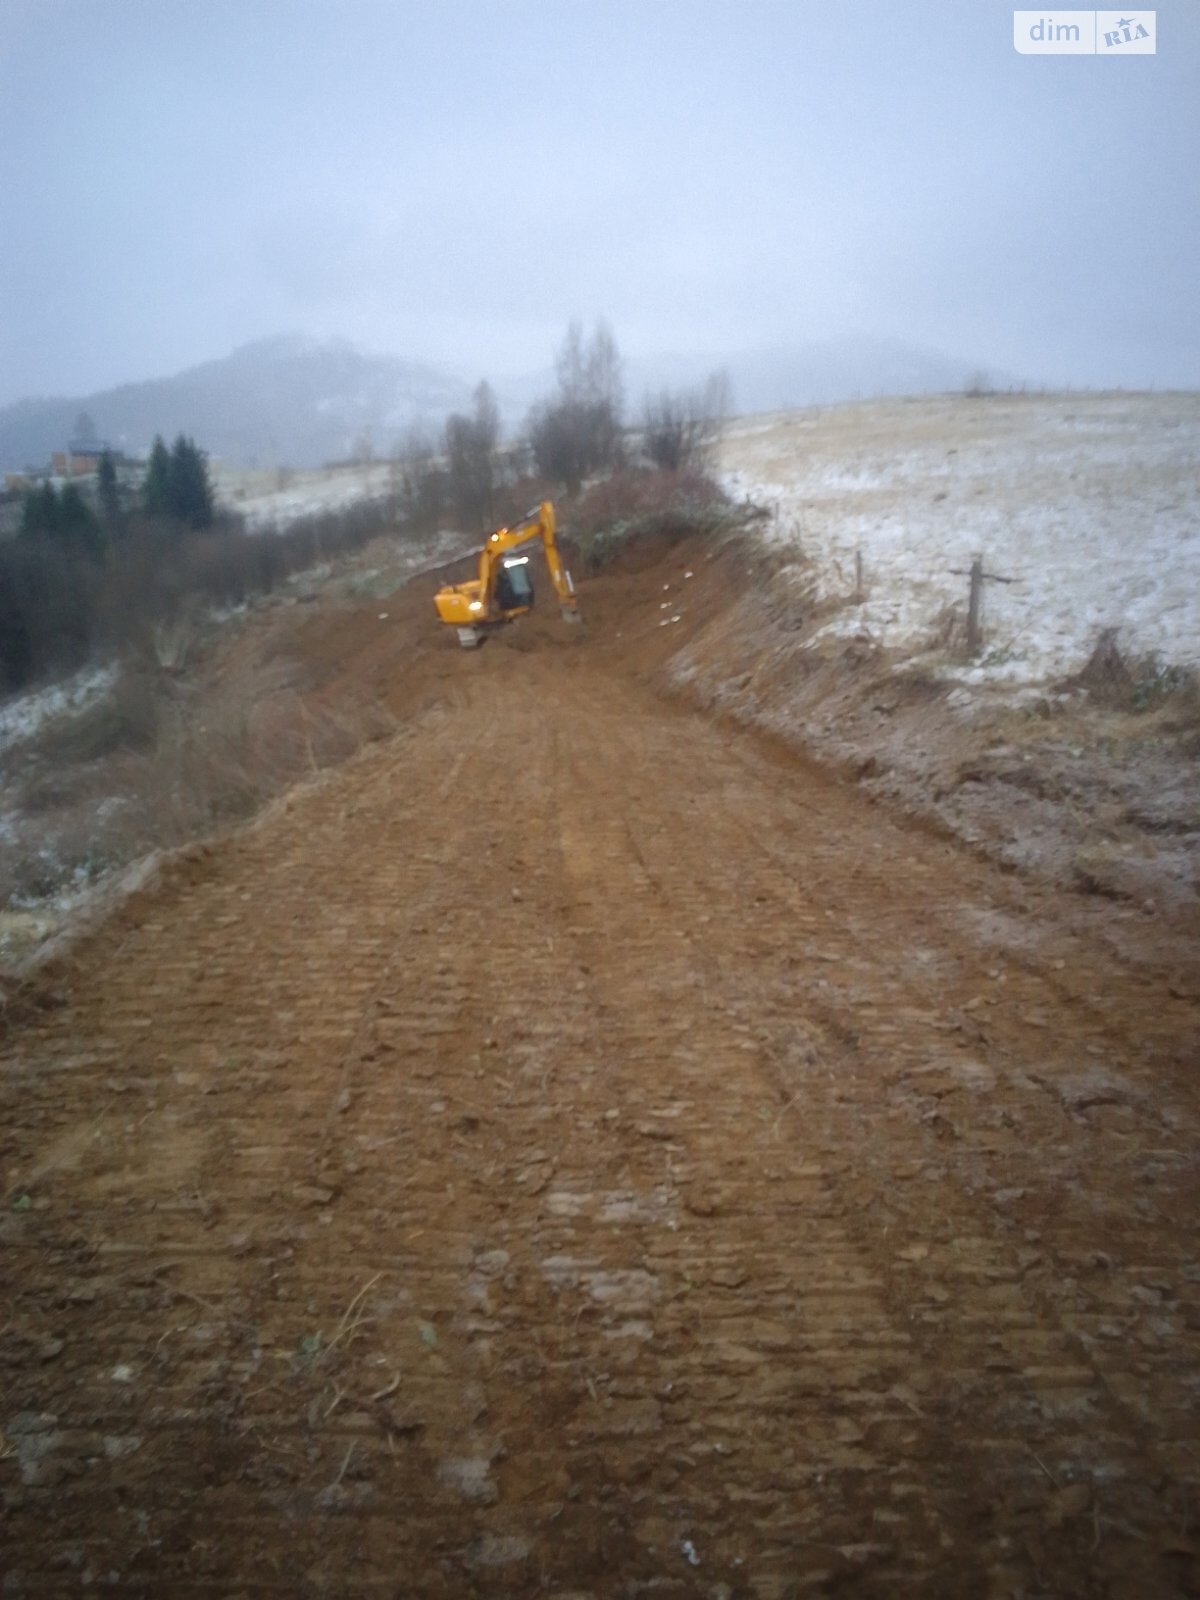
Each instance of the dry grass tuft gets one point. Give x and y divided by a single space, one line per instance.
1140 685
1105 675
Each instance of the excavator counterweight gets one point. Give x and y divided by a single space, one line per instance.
503 590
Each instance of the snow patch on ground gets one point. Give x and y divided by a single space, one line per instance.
274 499
1091 504
25 714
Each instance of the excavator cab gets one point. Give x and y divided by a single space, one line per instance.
514 586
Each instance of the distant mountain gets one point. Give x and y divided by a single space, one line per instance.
298 401
286 399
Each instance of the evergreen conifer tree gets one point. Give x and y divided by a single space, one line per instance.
39 514
191 491
108 490
156 486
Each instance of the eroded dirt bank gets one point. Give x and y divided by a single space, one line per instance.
577 1148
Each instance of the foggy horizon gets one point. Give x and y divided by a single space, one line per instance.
525 372
452 186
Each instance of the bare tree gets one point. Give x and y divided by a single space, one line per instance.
681 429
487 418
471 457
422 487
578 431
570 365
84 434
604 397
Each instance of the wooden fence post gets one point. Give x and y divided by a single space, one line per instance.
978 578
974 603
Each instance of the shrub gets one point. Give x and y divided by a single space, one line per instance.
48 597
58 604
64 518
680 430
1134 683
639 504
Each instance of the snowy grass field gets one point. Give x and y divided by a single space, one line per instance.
1090 503
280 496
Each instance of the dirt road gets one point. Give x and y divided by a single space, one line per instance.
579 1149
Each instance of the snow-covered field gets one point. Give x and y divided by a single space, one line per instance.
1091 503
281 496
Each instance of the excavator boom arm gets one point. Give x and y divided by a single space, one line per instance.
538 525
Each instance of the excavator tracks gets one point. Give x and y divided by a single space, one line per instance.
598 1156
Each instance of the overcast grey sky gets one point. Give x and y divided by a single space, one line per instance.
452 181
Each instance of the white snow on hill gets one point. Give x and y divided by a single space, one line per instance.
275 498
1091 503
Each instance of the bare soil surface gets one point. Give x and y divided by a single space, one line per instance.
579 1147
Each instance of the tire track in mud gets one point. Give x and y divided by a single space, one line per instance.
1057 1371
1050 1404
809 1383
561 1152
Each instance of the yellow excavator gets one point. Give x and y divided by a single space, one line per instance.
504 589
